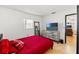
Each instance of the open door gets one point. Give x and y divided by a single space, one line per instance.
77 30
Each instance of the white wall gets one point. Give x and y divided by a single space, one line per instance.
12 23
60 18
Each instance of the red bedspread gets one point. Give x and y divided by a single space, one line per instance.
4 46
35 45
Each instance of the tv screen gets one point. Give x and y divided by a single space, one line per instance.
52 26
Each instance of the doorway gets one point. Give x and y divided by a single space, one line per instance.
71 31
37 28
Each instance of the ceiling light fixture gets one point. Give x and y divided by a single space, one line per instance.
53 12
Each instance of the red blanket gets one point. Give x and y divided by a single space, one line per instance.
4 46
32 45
35 45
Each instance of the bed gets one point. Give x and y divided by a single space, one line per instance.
35 45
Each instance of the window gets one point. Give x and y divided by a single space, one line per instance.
28 24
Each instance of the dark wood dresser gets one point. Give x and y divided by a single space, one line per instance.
69 32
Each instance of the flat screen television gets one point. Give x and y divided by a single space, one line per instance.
52 26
